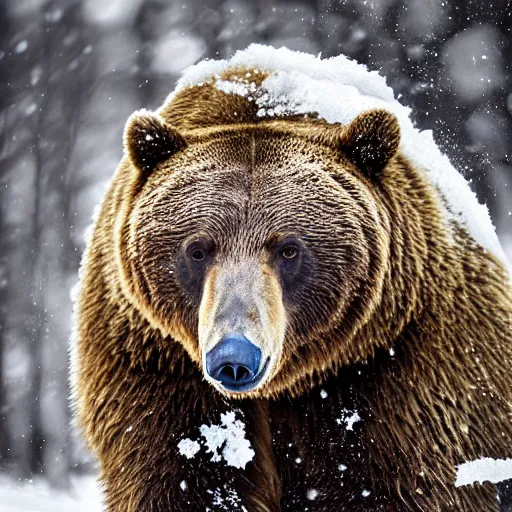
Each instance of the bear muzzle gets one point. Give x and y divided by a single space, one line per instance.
241 326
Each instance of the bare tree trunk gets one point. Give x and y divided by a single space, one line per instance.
4 254
57 256
4 248
36 439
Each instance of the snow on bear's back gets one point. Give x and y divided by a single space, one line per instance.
338 89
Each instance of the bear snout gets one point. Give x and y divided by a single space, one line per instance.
241 326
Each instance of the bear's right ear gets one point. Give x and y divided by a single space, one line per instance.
371 140
148 140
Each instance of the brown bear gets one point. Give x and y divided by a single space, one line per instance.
276 313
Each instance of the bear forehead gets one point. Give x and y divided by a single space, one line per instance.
253 178
256 165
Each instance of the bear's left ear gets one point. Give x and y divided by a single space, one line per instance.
371 140
149 140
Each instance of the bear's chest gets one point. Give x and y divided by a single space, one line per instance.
323 454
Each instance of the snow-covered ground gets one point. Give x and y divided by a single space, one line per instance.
85 494
36 496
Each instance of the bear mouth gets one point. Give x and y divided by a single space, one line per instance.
249 384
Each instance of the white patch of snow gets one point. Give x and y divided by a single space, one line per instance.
365 493
338 89
218 500
21 47
183 485
349 418
342 467
230 502
188 448
37 496
484 470
312 494
226 440
237 449
323 393
30 109
240 88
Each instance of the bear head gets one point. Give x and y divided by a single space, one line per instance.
260 247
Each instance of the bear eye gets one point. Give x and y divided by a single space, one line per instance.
199 250
197 255
289 253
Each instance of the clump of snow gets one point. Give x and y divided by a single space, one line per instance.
188 448
229 502
365 493
349 418
342 467
323 393
312 494
338 89
183 485
226 440
237 449
21 47
484 470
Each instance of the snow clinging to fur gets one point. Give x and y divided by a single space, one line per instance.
484 470
348 418
338 89
188 448
226 440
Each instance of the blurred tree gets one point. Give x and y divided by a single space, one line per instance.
44 107
4 251
55 258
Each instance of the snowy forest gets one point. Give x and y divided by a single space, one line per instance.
72 71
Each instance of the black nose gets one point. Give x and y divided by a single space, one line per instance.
234 362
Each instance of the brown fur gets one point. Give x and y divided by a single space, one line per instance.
404 282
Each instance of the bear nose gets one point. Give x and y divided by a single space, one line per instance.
234 361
